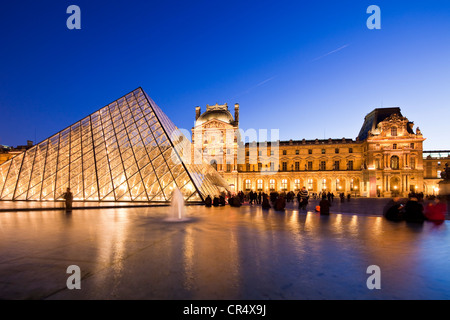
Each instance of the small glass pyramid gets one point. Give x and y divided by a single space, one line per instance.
126 151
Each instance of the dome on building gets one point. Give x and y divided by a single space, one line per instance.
216 112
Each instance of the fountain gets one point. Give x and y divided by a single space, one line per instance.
177 210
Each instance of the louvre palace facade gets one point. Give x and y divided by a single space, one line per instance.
385 159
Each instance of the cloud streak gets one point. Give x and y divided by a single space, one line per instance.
331 52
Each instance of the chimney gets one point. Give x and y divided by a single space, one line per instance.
236 113
198 112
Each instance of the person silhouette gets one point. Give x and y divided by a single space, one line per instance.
68 196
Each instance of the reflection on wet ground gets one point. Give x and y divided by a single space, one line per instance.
220 253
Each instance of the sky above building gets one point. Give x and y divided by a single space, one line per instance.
311 69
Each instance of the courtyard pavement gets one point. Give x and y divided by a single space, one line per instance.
222 253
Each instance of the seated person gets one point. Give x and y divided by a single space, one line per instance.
414 211
324 206
436 211
208 201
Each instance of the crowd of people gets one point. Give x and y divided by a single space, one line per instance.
274 199
416 209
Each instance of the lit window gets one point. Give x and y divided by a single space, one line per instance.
260 184
272 184
284 184
310 184
297 152
248 184
297 184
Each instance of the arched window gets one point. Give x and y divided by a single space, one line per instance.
297 184
394 131
272 184
395 163
260 185
248 184
284 184
310 184
214 164
324 184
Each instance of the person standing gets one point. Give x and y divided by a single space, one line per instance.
303 198
68 196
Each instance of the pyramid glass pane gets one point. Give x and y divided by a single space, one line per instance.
128 150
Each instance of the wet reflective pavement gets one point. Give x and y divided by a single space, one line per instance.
220 253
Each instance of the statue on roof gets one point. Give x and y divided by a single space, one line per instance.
418 132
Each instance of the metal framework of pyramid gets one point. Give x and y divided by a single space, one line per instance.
126 151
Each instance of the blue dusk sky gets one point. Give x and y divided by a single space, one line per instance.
312 69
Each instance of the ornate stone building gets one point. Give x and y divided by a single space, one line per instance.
384 160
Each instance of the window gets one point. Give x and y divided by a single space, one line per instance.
297 184
395 163
284 184
272 152
323 165
247 153
350 165
248 184
350 150
394 146
272 166
336 165
309 151
297 152
338 184
336 150
248 167
228 167
259 166
284 164
324 184
394 131
310 184
377 163
323 151
310 165
260 185
411 145
272 184
297 166
284 152
351 185
260 153
413 163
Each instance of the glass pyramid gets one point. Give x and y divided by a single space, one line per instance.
126 151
